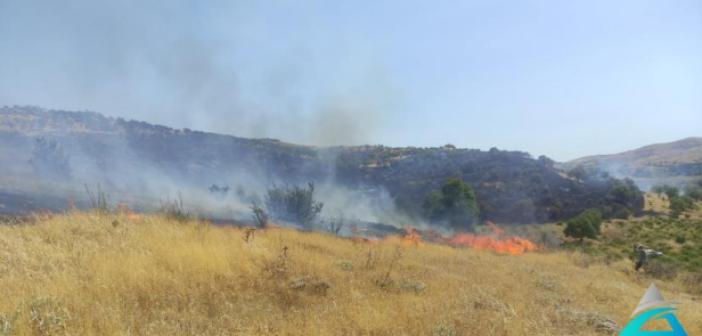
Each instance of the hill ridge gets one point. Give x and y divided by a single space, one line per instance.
512 186
677 163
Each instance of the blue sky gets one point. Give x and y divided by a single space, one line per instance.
560 78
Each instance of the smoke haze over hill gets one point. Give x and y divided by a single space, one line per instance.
399 74
676 163
49 153
153 64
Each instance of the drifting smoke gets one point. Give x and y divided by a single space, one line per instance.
144 167
191 67
187 66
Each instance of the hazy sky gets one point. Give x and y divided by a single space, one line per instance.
560 78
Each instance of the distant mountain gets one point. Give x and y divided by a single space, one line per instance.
47 154
673 163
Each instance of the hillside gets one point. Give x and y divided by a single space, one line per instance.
50 155
680 239
97 274
667 163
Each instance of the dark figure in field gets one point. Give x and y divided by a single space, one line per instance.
643 254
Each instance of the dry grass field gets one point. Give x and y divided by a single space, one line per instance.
659 203
656 203
86 273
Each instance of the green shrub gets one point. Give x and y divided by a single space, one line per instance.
623 200
669 191
455 204
694 192
442 329
585 225
680 239
345 265
294 204
680 204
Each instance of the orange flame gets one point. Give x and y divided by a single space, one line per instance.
511 245
507 245
125 211
411 237
494 242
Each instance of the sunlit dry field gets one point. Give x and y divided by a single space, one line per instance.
87 273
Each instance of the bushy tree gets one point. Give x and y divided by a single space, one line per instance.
623 199
680 204
694 191
334 225
546 161
259 216
455 203
585 225
294 204
579 172
669 191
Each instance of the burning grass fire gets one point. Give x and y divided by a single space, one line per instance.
510 245
496 241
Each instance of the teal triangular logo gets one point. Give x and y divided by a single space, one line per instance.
654 307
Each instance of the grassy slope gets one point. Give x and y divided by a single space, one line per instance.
84 274
679 238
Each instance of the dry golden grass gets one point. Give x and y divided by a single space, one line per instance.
659 203
91 274
656 203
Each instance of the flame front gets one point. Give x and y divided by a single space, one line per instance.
411 236
511 245
493 241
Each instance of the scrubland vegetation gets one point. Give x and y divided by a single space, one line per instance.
677 233
97 273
